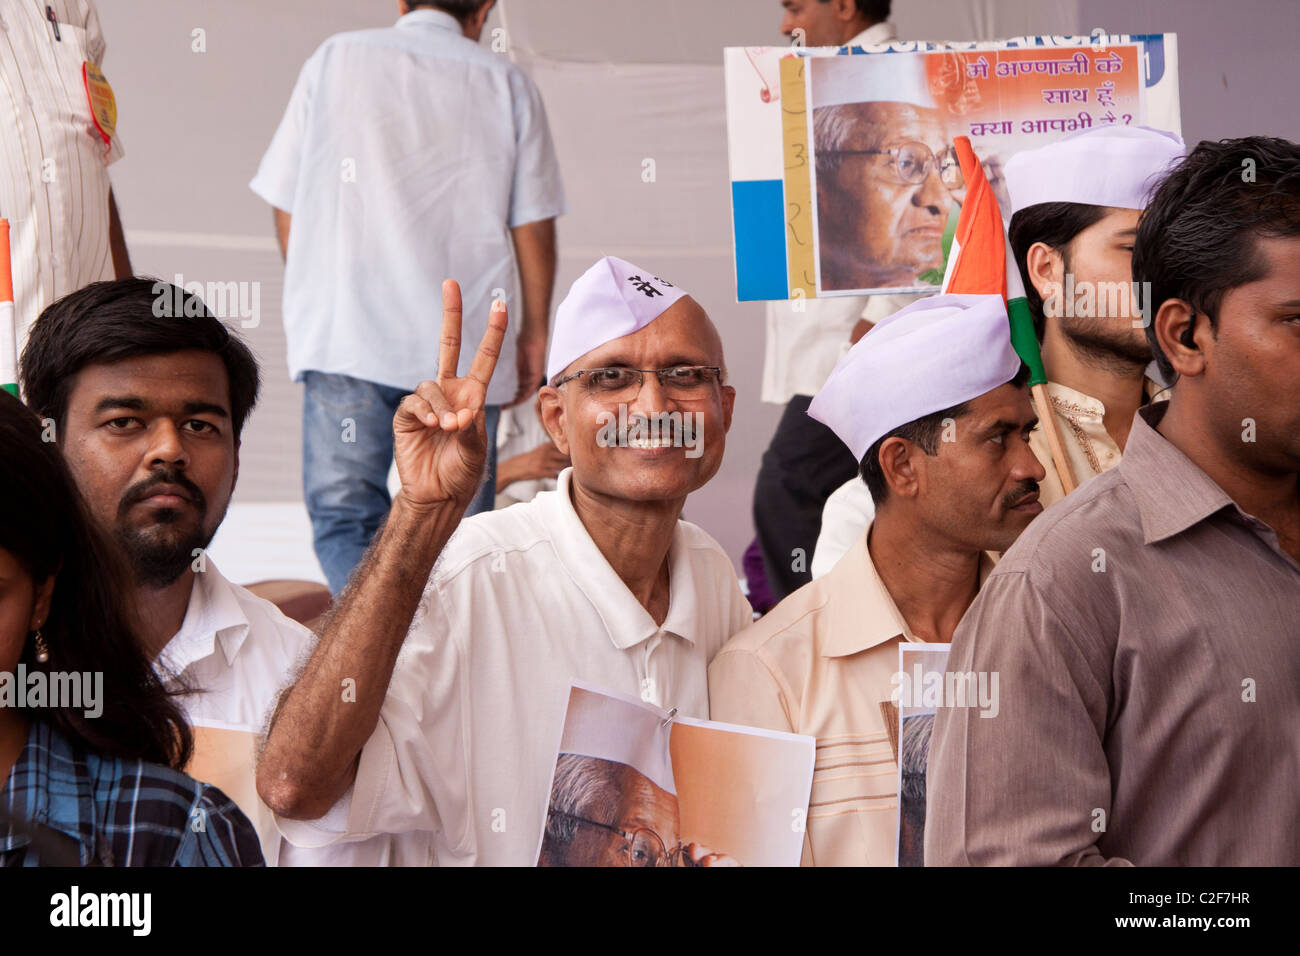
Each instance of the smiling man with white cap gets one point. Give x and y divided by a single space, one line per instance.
424 728
933 402
1075 205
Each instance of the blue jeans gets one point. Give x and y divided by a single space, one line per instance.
347 447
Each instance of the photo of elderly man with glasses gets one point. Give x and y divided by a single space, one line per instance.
887 178
606 813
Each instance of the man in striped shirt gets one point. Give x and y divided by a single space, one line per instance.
54 155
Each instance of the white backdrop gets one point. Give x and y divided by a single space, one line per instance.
623 81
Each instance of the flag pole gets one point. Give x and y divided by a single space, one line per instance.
1025 341
8 318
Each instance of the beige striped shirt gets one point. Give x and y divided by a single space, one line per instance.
54 185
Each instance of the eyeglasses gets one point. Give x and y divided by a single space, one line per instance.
644 847
912 163
679 381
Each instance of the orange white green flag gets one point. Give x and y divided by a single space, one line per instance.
8 318
981 262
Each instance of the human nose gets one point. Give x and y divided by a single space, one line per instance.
1027 467
650 397
166 445
932 192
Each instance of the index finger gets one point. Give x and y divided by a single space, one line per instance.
449 337
485 359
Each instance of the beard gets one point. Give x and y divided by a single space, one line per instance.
161 551
1101 345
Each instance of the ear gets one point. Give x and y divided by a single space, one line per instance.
1046 270
234 478
41 608
728 406
1182 334
550 409
846 10
898 463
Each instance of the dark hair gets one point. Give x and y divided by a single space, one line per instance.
1056 224
1197 238
462 10
107 322
923 432
46 526
874 11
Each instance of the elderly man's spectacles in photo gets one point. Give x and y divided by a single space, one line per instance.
912 163
644 847
679 381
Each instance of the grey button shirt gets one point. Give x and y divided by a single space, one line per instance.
1146 632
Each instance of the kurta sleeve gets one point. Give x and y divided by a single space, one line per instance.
1029 784
742 690
414 770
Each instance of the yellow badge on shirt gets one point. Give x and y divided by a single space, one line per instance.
103 106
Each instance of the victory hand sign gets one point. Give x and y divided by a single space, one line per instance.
438 432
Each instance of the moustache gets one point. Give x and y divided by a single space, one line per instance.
1028 488
143 489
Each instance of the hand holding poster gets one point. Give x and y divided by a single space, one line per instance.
636 786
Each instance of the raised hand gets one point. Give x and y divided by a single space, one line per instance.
438 432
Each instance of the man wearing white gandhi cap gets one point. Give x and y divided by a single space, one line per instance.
598 580
1075 206
885 171
934 404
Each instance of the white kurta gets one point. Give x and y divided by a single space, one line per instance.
521 601
238 652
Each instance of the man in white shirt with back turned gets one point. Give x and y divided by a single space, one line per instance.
406 154
444 753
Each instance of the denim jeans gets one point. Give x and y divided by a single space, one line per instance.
347 447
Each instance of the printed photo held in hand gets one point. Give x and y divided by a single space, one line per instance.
636 785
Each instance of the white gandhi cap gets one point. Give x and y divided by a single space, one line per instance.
612 299
933 354
869 77
1107 166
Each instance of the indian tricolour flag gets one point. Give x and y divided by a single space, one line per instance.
8 318
981 263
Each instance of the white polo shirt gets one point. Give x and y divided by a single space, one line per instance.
521 601
54 184
238 652
405 156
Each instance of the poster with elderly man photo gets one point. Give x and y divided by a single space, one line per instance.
639 786
865 188
886 182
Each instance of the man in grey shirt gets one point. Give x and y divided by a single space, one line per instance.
1146 629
